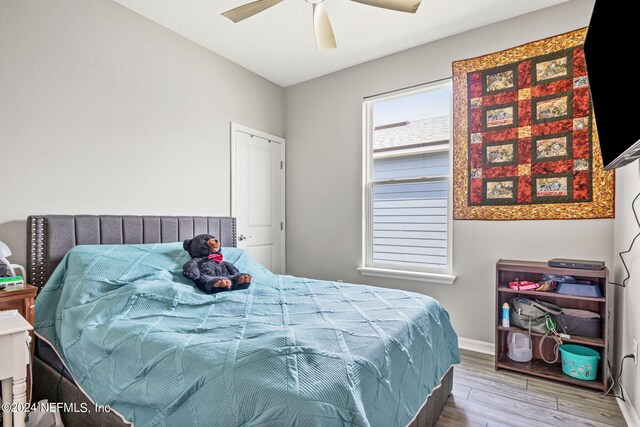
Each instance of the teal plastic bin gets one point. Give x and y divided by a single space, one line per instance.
579 362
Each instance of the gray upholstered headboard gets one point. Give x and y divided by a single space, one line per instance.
49 237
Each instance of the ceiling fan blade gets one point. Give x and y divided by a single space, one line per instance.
322 27
247 10
410 6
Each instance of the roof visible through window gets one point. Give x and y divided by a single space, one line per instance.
422 118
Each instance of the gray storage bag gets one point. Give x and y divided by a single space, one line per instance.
531 315
580 322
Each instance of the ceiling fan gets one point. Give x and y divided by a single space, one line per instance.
321 24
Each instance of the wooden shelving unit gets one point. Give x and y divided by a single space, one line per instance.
509 270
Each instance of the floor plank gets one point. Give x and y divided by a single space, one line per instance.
506 391
453 416
482 396
504 378
612 416
461 391
576 394
479 413
543 415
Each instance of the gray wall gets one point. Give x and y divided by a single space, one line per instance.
626 311
104 111
324 152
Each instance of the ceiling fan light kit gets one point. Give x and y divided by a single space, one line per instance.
325 39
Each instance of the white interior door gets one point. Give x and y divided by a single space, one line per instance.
257 194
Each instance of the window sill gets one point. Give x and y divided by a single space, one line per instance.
444 279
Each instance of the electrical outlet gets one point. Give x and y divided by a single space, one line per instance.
634 349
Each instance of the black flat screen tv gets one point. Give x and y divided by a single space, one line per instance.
614 101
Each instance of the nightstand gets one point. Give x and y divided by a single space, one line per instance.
14 354
19 298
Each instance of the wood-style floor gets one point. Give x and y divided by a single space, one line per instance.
485 397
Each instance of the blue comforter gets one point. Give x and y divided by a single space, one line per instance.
140 337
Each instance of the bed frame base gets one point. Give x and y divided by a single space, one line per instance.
432 409
54 387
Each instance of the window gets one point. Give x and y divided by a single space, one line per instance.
407 183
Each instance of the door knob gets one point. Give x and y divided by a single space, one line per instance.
243 237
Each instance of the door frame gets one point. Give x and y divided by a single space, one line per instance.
245 129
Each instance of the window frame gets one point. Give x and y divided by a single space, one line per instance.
393 270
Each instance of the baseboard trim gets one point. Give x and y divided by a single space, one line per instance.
628 411
477 346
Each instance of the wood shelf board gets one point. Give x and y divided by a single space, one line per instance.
543 267
21 290
503 288
542 369
595 342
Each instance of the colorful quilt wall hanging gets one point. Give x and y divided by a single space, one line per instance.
525 138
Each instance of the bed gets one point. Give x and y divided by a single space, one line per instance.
118 325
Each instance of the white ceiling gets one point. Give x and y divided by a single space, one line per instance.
279 43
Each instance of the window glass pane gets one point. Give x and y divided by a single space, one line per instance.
418 165
424 105
406 126
410 224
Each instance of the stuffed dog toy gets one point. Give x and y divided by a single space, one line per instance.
208 269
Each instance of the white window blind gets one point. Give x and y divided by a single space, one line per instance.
410 223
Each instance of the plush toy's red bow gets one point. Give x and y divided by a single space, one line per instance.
216 257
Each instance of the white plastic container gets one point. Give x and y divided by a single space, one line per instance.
519 347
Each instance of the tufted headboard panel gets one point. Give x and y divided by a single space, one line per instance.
49 237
